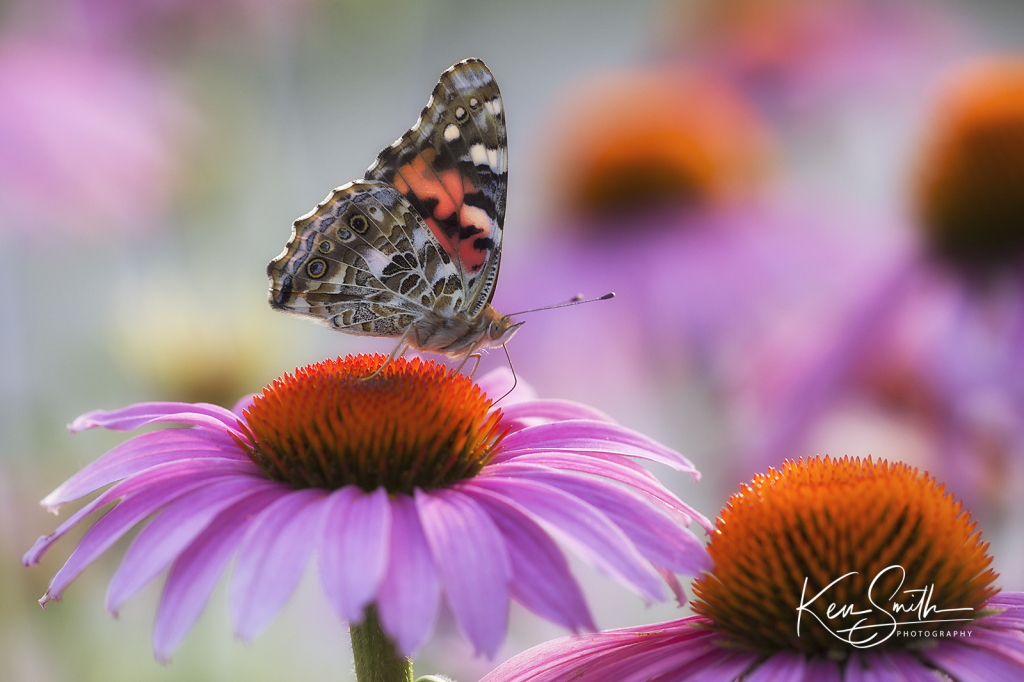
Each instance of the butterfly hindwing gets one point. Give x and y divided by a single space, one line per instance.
452 166
364 262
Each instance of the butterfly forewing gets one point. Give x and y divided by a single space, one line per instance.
452 165
413 250
364 262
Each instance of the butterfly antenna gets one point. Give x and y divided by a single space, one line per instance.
575 300
515 378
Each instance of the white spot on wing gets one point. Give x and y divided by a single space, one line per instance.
375 260
494 106
481 155
451 132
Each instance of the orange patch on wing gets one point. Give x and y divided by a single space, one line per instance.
426 183
449 189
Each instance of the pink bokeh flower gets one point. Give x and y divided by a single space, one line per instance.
406 487
933 336
89 138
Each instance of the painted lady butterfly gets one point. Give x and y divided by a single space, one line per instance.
412 250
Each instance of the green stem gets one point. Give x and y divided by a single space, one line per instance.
377 658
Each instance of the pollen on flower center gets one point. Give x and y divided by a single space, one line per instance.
415 424
971 188
821 520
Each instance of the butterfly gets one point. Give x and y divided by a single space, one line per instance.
412 250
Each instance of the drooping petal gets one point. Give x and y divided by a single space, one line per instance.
410 593
271 560
174 529
781 667
591 436
140 414
659 538
140 453
197 570
630 654
352 550
541 580
823 669
118 521
470 557
585 529
176 472
970 663
883 666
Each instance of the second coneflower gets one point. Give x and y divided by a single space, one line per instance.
406 484
825 570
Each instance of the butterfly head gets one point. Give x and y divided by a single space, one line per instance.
500 328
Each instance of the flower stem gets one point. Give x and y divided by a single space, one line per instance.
377 658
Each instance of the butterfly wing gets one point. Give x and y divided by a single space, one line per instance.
364 262
452 167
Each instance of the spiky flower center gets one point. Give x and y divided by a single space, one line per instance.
838 524
971 189
336 423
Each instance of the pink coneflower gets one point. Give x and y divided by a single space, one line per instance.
791 550
406 486
659 179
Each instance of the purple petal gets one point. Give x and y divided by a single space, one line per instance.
139 453
585 529
243 404
721 664
781 667
590 436
197 570
470 556
823 669
541 580
180 472
118 521
969 663
634 654
410 593
897 665
498 382
271 560
352 551
1011 611
140 414
159 543
658 537
623 471
818 384
520 415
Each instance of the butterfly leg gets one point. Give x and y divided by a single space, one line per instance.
476 363
399 351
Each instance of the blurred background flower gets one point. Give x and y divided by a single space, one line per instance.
748 175
929 354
